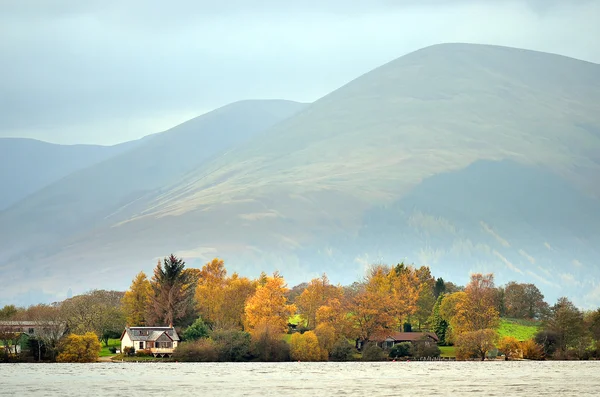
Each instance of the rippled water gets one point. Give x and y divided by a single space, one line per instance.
305 379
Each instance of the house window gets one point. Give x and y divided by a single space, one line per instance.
141 345
31 331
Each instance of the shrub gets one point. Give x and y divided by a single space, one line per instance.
372 352
326 335
128 350
196 331
475 344
232 345
202 350
341 350
112 349
403 349
79 348
305 347
510 346
268 345
143 353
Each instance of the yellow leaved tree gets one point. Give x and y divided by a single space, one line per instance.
137 300
269 305
79 348
305 347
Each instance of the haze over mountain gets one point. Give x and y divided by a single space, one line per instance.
458 156
27 165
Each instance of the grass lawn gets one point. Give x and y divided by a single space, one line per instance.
447 351
520 329
111 343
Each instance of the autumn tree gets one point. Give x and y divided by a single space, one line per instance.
80 348
8 311
475 344
531 350
173 290
387 297
335 315
137 300
523 301
269 305
317 293
305 347
237 292
210 292
327 337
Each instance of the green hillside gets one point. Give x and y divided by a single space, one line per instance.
520 329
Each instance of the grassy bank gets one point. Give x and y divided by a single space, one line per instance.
517 328
105 352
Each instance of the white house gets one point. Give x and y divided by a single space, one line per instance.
161 341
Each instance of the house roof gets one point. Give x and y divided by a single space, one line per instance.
150 333
404 336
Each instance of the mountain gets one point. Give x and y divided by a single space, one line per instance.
27 165
459 156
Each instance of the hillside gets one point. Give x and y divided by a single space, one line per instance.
27 165
462 157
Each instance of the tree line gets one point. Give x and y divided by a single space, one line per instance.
233 318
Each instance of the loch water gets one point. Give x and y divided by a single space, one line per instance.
494 378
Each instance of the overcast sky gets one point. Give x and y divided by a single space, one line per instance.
107 71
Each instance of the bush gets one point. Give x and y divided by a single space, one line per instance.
372 352
203 350
425 350
79 348
196 331
112 349
341 350
128 351
403 349
268 345
232 345
305 347
143 353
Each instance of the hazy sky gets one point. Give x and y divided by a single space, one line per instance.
107 71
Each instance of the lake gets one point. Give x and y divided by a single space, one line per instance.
525 378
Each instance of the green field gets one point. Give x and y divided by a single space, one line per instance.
520 329
447 351
111 343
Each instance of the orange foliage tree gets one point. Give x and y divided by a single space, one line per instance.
305 347
269 305
318 293
137 300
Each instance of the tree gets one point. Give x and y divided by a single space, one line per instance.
269 305
97 311
473 344
523 301
305 347
327 337
439 287
593 324
267 343
137 300
196 331
8 311
237 292
232 345
566 322
173 293
318 293
509 346
341 350
210 292
51 327
80 348
436 323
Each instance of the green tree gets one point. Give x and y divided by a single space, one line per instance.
196 331
232 345
436 322
439 287
566 321
8 311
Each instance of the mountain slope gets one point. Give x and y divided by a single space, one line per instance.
27 165
93 196
311 193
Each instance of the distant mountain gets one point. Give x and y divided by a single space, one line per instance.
458 156
27 165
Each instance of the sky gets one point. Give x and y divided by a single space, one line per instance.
109 71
